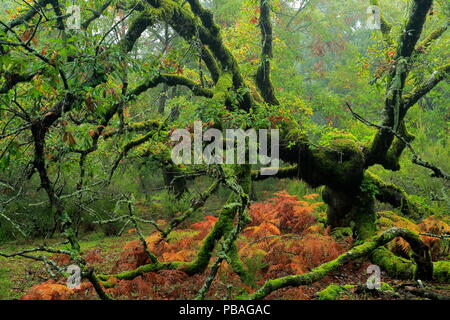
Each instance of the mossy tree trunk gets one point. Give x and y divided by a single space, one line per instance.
351 209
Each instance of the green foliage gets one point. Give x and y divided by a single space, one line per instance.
369 188
168 205
5 284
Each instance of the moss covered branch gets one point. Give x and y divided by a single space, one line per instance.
12 79
36 8
238 201
282 173
196 203
198 265
422 258
211 63
413 28
132 144
426 86
95 14
134 127
340 165
173 80
263 80
433 36
401 268
95 281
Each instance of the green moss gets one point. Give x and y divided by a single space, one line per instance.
238 267
223 85
392 159
443 287
386 287
222 226
132 274
316 274
342 232
138 26
341 165
353 209
144 125
441 271
188 25
244 179
401 268
396 267
365 217
334 292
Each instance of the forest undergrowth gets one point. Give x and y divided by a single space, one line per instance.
286 236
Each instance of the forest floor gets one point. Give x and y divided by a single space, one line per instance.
284 238
18 275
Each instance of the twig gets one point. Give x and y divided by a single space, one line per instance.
275 236
435 235
152 257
